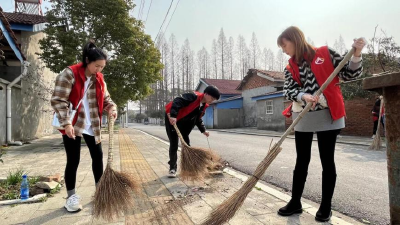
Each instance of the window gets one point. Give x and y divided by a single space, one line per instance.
270 107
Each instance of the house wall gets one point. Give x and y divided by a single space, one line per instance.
226 118
36 111
275 121
250 106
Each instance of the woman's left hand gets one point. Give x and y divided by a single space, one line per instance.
358 44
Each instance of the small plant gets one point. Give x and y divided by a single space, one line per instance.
15 177
258 189
54 191
11 195
43 199
33 180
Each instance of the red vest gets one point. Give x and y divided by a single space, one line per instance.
78 89
322 67
187 109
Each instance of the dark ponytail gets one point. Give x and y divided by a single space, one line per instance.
92 53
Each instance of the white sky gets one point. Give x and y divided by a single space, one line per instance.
323 21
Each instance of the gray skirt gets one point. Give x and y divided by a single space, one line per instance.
315 121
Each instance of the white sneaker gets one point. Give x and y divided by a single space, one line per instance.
72 204
172 174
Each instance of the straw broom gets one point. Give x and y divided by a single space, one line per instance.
224 212
194 160
113 192
376 144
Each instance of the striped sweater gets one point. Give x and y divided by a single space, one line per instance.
293 91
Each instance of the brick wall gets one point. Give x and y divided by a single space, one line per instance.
359 118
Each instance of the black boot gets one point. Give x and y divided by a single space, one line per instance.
324 212
294 205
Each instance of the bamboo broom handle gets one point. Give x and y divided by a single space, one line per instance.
179 134
111 140
321 89
378 129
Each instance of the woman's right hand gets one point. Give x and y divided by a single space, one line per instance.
309 98
69 131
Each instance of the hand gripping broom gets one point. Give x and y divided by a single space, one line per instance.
228 208
194 160
114 191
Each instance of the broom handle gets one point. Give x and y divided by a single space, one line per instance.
321 89
378 129
179 134
111 140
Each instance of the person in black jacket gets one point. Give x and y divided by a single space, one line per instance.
186 112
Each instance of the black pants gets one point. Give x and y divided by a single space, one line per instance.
174 141
326 145
73 150
376 125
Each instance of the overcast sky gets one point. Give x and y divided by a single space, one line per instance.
323 21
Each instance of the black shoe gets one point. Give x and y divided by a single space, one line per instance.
291 208
323 216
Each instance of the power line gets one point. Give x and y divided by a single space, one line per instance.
172 16
163 21
148 12
141 13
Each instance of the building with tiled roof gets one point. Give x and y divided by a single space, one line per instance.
225 87
28 87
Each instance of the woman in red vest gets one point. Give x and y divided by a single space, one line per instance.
308 69
82 85
186 111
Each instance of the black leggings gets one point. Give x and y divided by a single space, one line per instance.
73 150
326 146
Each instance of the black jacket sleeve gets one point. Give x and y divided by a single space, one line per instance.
180 102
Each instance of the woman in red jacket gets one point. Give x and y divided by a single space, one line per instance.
83 83
308 69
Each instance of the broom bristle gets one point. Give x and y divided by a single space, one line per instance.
376 143
224 212
113 195
194 163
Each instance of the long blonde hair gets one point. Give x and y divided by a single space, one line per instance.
303 50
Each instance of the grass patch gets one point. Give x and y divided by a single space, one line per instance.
258 189
10 188
54 191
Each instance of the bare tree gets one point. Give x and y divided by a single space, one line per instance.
231 59
340 46
203 63
173 62
265 58
242 55
271 60
214 55
222 51
281 60
254 51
